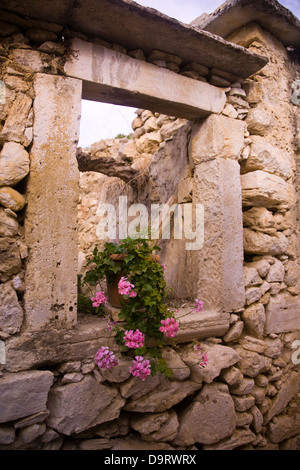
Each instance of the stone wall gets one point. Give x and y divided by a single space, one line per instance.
52 395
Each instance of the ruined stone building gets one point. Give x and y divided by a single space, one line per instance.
218 124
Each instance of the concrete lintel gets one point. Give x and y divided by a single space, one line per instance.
269 14
109 76
137 27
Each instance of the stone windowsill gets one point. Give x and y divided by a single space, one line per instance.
53 346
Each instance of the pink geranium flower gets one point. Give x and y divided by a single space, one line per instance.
125 287
199 305
140 368
169 327
105 359
134 339
99 299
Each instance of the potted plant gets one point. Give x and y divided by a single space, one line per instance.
135 282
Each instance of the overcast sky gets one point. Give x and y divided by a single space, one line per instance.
105 121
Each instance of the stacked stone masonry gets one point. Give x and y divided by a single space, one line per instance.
52 395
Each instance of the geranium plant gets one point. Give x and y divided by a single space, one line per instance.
145 319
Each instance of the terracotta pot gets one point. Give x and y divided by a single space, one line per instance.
114 298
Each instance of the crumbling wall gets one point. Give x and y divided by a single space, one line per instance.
52 395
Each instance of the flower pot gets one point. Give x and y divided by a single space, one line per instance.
114 298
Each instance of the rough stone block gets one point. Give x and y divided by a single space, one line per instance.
14 164
260 188
219 264
264 156
209 418
9 226
217 137
51 218
76 407
10 260
11 313
11 199
15 123
260 243
282 313
23 394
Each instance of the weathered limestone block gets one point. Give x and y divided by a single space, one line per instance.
285 427
14 164
15 123
234 332
148 423
118 373
276 272
260 188
163 397
260 243
245 387
77 344
219 357
29 59
239 438
282 313
209 418
232 375
195 325
262 266
30 433
264 156
149 142
51 219
176 364
10 260
259 218
78 406
9 226
167 432
7 434
11 313
251 277
253 294
23 394
292 273
51 47
217 187
251 363
217 137
11 199
288 390
259 121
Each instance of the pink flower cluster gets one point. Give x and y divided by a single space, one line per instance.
105 359
169 327
199 306
125 288
134 339
99 299
204 359
140 368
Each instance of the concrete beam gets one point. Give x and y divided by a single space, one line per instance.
136 27
112 77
